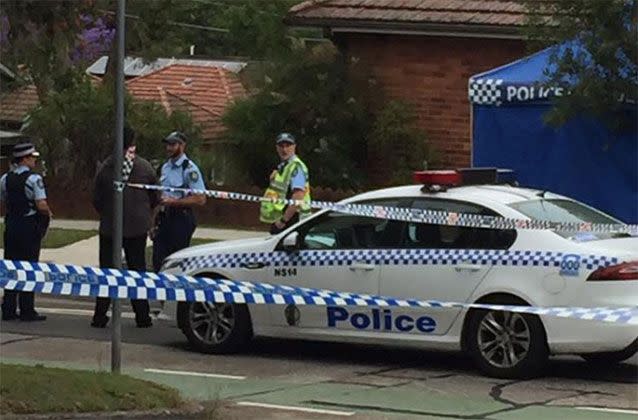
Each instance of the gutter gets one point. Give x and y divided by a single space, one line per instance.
410 28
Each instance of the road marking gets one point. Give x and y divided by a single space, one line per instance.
294 408
609 410
185 373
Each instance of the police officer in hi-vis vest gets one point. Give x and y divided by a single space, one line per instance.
289 181
27 219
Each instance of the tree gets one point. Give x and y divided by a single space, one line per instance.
599 64
396 143
319 98
41 35
76 128
256 28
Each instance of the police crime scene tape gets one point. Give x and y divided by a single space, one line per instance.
72 280
408 214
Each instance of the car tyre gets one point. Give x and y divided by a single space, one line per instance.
215 328
507 344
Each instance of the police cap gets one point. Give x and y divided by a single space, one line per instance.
175 137
21 150
286 138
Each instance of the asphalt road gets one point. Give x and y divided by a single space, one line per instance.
297 379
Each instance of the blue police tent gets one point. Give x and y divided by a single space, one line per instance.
582 159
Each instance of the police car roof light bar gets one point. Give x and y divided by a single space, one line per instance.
482 176
436 181
478 176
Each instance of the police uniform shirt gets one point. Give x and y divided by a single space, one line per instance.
175 175
33 188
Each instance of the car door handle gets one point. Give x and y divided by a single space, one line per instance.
362 266
467 267
252 265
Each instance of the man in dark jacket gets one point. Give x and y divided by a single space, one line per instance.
138 211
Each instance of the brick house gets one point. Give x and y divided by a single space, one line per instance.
423 52
14 107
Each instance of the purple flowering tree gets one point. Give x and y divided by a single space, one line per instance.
94 41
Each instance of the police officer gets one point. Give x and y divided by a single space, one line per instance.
27 218
290 181
175 222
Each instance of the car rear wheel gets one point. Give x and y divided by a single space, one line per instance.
215 327
506 344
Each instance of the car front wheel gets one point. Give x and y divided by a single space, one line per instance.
215 327
507 344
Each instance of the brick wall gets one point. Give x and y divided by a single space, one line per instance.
432 73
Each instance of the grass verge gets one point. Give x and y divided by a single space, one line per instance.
38 389
57 238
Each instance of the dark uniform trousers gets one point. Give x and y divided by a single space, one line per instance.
175 230
22 239
134 250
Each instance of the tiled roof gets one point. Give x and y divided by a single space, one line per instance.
135 67
484 13
16 103
209 121
201 90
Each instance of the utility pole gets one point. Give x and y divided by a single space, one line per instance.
118 199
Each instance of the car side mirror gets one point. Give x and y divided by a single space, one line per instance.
291 242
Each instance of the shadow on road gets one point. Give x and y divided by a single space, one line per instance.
165 334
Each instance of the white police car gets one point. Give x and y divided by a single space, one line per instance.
351 253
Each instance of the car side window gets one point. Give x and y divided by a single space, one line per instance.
424 235
344 231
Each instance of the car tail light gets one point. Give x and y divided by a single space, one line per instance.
624 271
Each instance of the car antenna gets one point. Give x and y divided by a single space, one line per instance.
541 194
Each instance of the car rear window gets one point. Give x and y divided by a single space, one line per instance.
567 211
424 235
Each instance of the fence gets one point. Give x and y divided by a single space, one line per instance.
68 203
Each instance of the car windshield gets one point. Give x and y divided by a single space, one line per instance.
567 211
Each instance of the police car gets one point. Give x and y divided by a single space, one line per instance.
349 253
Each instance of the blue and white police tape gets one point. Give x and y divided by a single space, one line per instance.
410 214
125 284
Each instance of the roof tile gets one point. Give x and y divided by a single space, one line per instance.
491 12
16 103
202 91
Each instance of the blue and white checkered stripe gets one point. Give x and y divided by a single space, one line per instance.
412 215
485 91
312 258
126 284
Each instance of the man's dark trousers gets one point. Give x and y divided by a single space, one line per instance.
22 241
175 231
134 249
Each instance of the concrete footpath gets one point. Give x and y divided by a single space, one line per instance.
85 252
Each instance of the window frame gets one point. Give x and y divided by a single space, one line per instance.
405 202
485 211
303 229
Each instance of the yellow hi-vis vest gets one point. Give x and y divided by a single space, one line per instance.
278 189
